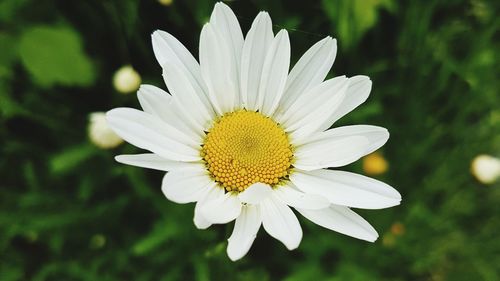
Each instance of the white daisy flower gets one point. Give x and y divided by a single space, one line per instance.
247 140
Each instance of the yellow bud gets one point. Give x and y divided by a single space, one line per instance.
375 164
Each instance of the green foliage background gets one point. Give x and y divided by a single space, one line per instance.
69 212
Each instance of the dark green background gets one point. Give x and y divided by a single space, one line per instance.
69 212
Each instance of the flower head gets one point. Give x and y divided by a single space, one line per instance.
247 140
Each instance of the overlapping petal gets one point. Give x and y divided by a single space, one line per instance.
274 73
169 51
310 110
357 93
187 185
348 189
223 209
343 220
255 193
255 48
280 222
218 69
310 70
211 194
148 132
159 103
376 136
198 113
293 197
152 161
245 230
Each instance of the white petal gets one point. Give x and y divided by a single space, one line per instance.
255 193
342 220
280 222
274 73
159 103
331 152
245 230
152 161
211 194
339 146
223 209
218 70
297 199
187 185
168 49
309 111
309 101
310 70
254 52
225 21
194 108
155 101
146 131
357 92
376 136
348 189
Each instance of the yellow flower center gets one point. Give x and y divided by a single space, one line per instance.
245 147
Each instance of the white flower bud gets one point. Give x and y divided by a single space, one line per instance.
486 168
100 133
126 80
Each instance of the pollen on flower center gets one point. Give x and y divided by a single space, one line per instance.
245 147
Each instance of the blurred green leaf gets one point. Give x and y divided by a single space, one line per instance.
54 55
8 107
10 8
352 18
8 54
161 233
70 158
10 273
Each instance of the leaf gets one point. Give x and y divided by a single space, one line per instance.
161 233
70 158
10 9
54 55
353 18
8 54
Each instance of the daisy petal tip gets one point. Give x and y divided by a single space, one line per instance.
332 42
282 32
372 239
263 16
233 256
201 225
155 33
222 5
119 158
370 235
293 245
233 252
